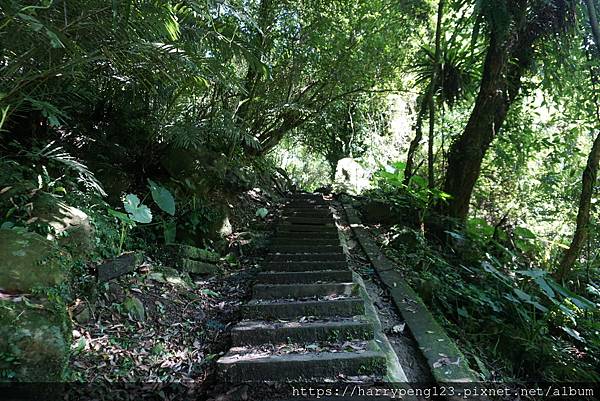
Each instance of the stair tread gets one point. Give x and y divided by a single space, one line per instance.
323 276
303 290
246 325
256 302
277 309
307 257
305 284
233 357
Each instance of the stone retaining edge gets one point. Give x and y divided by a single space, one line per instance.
432 339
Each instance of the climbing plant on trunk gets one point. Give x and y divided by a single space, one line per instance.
513 29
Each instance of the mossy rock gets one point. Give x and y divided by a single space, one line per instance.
191 252
34 342
196 267
30 261
135 308
72 227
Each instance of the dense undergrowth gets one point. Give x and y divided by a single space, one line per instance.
493 291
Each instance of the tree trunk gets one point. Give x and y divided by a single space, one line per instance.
414 144
262 44
505 63
467 152
434 85
591 9
588 180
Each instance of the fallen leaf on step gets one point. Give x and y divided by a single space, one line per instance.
444 361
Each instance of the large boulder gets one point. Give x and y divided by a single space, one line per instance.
29 261
34 342
34 332
71 226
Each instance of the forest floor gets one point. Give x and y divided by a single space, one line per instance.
183 332
179 327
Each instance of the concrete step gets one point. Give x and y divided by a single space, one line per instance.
303 266
293 228
330 249
307 203
308 220
309 207
287 291
261 332
305 241
345 307
299 367
318 207
306 257
325 276
312 212
304 195
332 234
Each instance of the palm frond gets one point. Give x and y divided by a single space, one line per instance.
59 155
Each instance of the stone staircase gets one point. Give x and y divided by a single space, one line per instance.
306 320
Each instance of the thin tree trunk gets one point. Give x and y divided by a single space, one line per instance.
591 9
583 215
434 80
588 179
262 44
414 144
430 136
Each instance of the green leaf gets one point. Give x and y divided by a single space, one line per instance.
579 301
399 166
573 333
162 197
524 233
7 225
418 181
530 300
137 211
522 295
262 212
210 293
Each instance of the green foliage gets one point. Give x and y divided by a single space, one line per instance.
485 285
456 73
95 98
390 180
